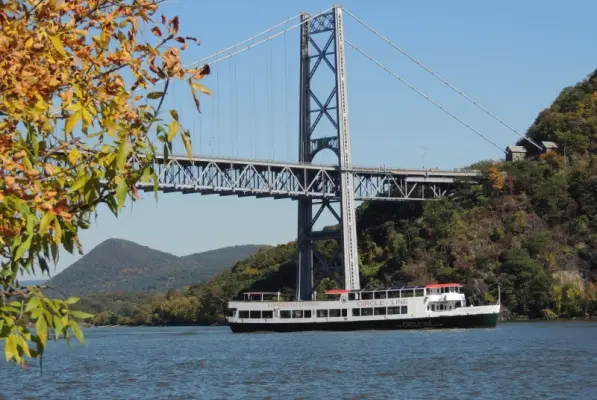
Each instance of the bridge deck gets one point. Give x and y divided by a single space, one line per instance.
239 177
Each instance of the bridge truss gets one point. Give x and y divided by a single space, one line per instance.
237 177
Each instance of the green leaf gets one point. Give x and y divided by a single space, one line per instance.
41 330
79 183
57 231
23 248
30 224
146 174
172 129
81 314
43 264
77 331
33 303
45 223
121 192
58 326
112 205
123 151
72 300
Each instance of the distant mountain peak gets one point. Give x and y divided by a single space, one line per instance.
123 265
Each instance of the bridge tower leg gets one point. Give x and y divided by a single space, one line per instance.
329 53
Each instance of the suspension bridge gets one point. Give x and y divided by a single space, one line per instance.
323 124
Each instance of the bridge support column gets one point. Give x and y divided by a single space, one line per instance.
312 266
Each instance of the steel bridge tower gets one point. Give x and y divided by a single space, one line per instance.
324 37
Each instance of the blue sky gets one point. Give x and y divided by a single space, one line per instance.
513 57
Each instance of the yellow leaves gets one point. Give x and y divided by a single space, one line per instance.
201 88
73 156
54 78
172 129
187 145
72 121
57 44
10 349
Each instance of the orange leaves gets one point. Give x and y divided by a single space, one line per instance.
496 178
71 124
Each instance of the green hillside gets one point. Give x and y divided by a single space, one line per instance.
117 265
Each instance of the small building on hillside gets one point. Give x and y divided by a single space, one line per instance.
515 153
549 146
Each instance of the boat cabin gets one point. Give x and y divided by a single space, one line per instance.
444 296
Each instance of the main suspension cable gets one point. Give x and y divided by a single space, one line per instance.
244 41
440 78
249 46
266 39
423 94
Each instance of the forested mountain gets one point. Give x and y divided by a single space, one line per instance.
117 265
531 225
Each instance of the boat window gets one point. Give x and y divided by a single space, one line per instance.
285 314
408 293
366 295
344 312
366 311
322 313
380 311
351 296
394 294
381 295
267 314
356 312
403 310
335 313
231 312
297 313
307 314
243 314
255 314
419 292
393 310
458 304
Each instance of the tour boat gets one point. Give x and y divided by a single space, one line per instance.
435 306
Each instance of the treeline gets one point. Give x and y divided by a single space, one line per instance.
529 225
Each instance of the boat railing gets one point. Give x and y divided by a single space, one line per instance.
261 296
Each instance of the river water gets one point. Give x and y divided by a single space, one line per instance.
539 360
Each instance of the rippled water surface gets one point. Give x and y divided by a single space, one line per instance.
555 360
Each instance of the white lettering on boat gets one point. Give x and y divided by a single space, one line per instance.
381 303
